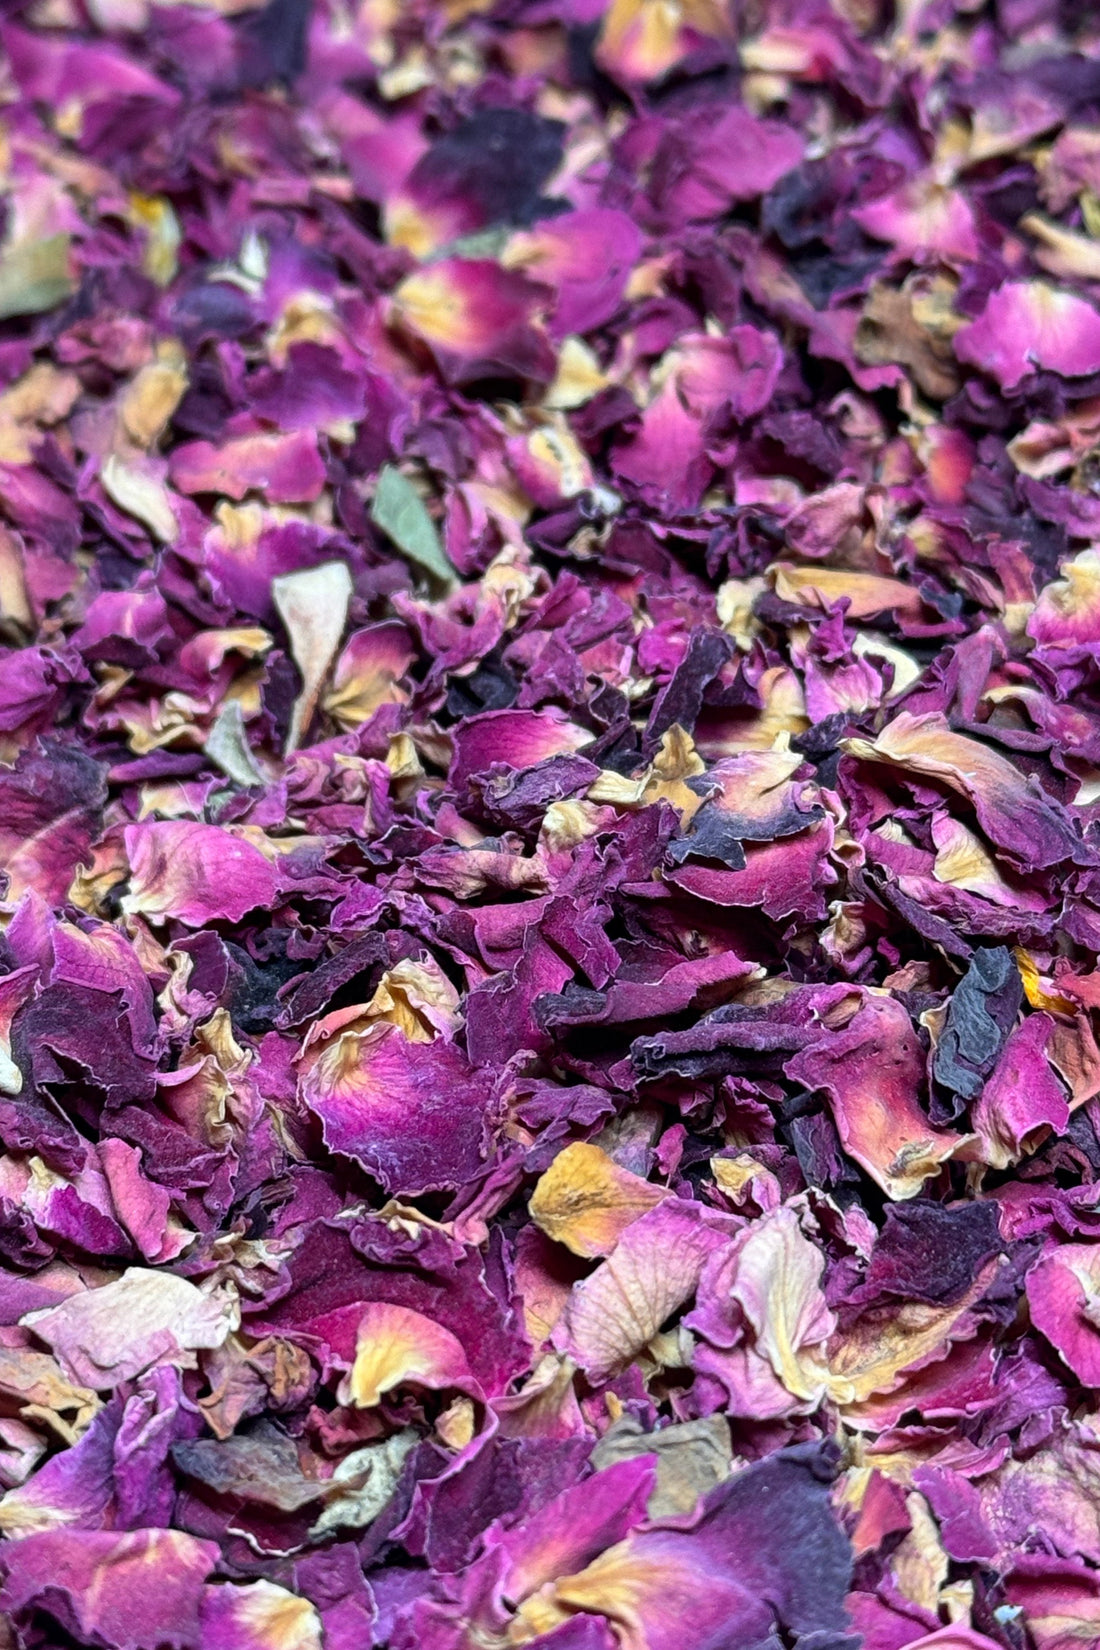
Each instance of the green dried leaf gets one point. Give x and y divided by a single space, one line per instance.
402 514
227 745
34 276
483 243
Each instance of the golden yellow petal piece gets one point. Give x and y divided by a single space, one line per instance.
586 1201
1034 989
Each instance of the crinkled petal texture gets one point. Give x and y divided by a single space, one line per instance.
586 1200
771 1282
103 1337
1020 821
549 825
477 319
395 1346
195 873
1030 325
1067 613
612 1314
1062 1296
871 1069
412 1113
259 1616
125 1588
923 220
728 1579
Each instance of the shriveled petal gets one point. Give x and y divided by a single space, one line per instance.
1067 613
872 1070
586 1201
1017 817
258 1616
126 1588
197 873
1063 1292
395 1346
652 1272
107 1335
413 1113
1026 325
313 606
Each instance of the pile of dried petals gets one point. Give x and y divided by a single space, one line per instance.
550 824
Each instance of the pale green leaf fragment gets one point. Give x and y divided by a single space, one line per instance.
363 1483
483 243
35 276
402 514
227 745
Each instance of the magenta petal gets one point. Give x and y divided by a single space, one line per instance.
665 461
1062 1291
197 873
131 1589
414 1114
1026 325
923 220
286 468
586 257
258 1616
